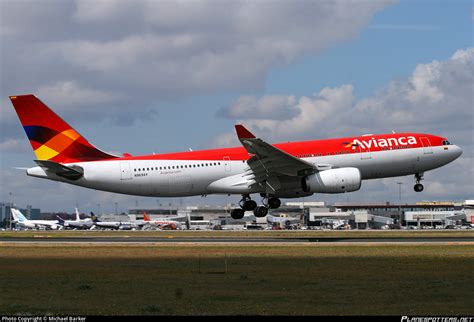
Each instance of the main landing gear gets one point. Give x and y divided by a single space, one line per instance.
418 186
247 204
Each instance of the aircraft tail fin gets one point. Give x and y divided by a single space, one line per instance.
14 217
14 214
60 220
145 217
18 216
50 136
94 217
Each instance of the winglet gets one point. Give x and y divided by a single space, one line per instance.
243 133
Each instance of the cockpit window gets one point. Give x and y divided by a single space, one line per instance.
446 142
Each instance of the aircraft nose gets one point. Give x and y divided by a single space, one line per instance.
456 152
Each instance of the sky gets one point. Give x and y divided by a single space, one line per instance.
146 77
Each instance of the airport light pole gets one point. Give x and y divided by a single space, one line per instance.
400 203
10 217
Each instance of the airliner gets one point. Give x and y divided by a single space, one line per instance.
273 171
21 221
120 225
78 223
161 223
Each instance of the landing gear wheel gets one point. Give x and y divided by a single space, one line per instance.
260 211
249 205
237 213
418 187
274 203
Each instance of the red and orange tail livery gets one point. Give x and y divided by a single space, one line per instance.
50 137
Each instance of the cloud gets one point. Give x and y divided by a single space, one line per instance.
273 107
119 61
437 98
309 115
14 145
143 51
70 95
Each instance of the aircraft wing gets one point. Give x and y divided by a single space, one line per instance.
268 163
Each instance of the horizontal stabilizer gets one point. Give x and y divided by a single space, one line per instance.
72 173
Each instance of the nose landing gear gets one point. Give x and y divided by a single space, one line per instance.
418 186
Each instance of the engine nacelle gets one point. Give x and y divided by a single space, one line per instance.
333 181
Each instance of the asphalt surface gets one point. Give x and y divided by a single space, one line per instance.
141 240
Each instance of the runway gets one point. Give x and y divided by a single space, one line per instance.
235 240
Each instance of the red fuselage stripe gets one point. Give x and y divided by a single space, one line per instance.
340 146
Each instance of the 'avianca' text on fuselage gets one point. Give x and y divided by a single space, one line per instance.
384 142
272 171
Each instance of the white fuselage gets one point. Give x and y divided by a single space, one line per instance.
173 178
31 224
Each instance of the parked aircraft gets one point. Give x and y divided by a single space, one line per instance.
78 223
21 221
120 225
283 170
161 223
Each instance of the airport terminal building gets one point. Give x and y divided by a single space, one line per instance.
318 215
296 215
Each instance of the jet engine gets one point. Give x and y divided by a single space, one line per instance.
333 181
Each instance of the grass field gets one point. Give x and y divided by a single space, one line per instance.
241 279
242 234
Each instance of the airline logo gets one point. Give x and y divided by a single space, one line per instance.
48 142
380 143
